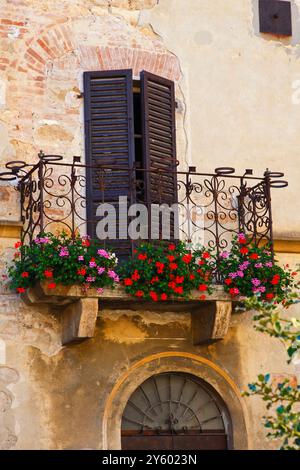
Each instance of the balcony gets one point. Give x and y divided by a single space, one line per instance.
209 209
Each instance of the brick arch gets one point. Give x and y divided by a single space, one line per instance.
58 41
110 58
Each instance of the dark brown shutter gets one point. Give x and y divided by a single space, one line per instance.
109 143
159 139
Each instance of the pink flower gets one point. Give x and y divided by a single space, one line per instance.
258 265
244 265
93 264
90 279
269 264
232 275
255 282
41 240
240 273
258 290
224 254
101 270
103 253
113 275
267 252
64 251
80 258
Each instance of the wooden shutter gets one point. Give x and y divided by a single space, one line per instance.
109 142
159 139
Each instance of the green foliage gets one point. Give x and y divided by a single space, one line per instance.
161 272
283 399
61 260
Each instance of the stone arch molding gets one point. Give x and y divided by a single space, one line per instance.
174 362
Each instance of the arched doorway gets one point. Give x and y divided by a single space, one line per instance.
172 411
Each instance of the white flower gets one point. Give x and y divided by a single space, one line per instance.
113 257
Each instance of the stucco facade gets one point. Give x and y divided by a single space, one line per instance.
236 93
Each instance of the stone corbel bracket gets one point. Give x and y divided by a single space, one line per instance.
210 322
78 312
210 319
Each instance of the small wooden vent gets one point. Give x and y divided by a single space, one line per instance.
275 17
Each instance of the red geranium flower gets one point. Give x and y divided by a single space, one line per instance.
201 262
142 257
234 291
173 266
269 296
154 279
81 272
294 273
20 290
139 293
52 285
202 297
171 258
187 258
242 239
205 255
18 244
172 284
244 250
25 274
172 247
179 279
163 296
192 277
128 282
48 273
254 256
203 287
153 296
160 267
86 243
228 281
178 290
135 276
275 280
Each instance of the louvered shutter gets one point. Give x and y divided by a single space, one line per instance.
159 139
109 142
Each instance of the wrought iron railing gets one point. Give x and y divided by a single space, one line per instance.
213 207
